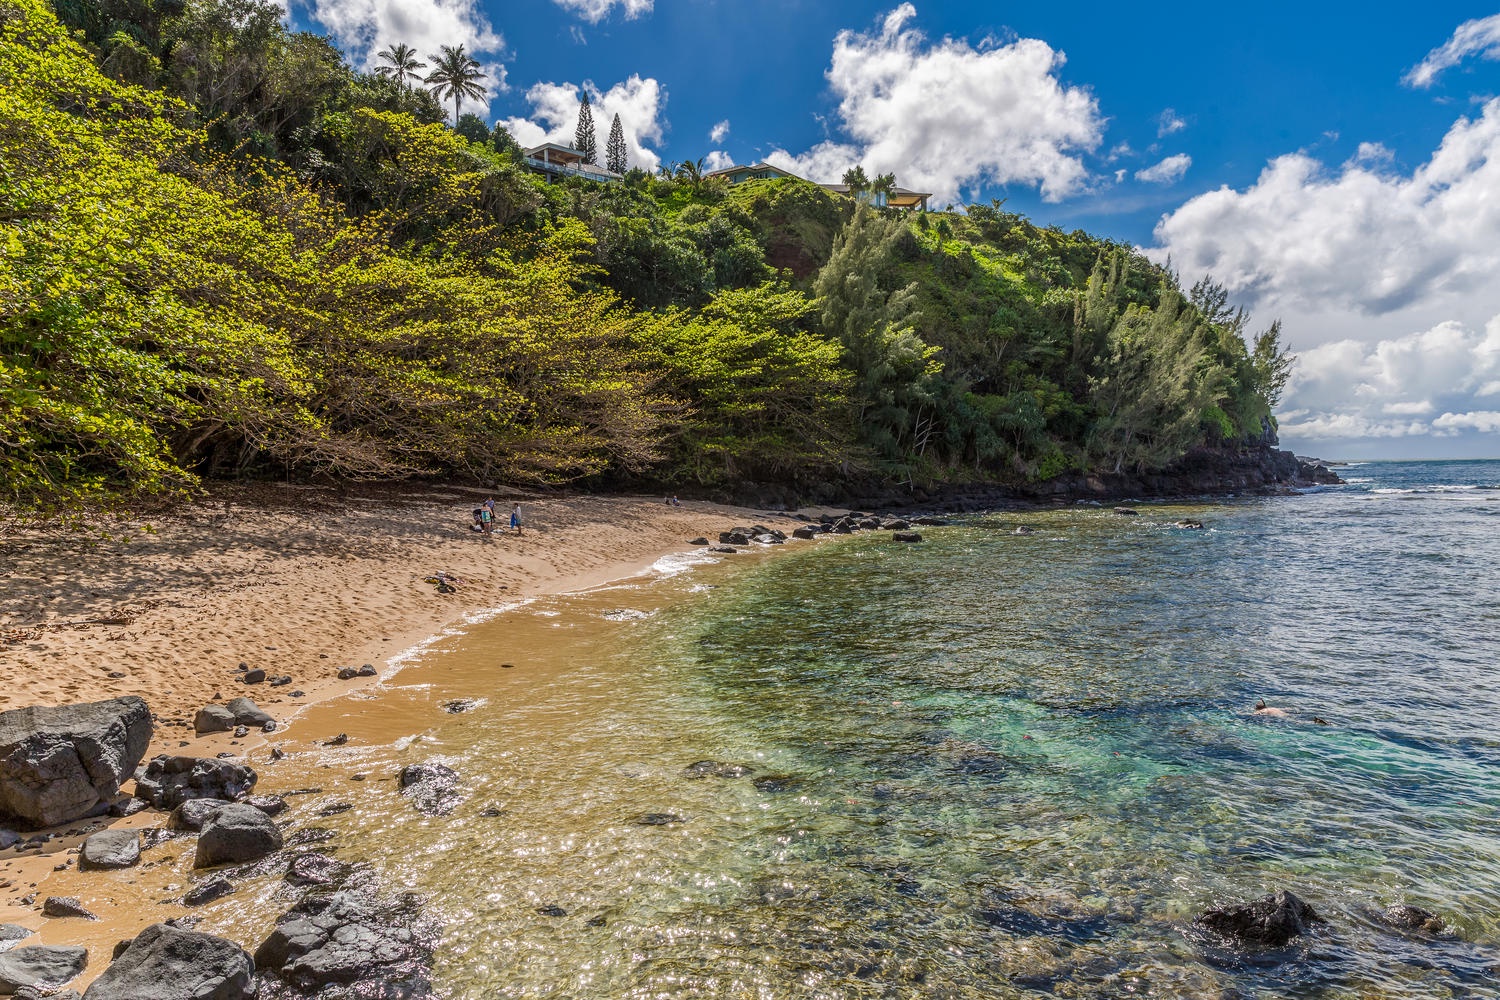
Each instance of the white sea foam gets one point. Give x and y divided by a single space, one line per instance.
679 563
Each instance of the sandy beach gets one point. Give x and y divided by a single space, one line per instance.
297 581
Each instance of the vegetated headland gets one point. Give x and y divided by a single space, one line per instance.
227 254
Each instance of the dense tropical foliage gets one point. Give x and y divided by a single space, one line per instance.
224 252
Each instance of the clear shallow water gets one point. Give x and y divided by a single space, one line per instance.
989 765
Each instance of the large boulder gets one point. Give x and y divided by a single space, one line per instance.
1269 922
166 963
61 764
334 939
167 781
247 713
41 965
110 849
236 832
192 814
432 787
213 719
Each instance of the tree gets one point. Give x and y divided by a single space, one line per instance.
614 152
884 184
456 75
856 181
473 128
504 142
583 136
401 64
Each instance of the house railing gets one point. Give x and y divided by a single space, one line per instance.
579 170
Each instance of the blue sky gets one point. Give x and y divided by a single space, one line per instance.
1289 149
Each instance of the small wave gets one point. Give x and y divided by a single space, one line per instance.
679 563
627 615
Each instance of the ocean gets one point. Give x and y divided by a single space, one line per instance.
998 763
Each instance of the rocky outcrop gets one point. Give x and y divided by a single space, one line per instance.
61 764
108 850
1260 469
41 965
167 782
234 833
348 944
1269 922
167 963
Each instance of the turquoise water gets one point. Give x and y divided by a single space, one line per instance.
989 765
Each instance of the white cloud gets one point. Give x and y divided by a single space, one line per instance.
1168 122
1360 240
554 116
717 160
1479 37
719 131
364 27
945 115
595 11
1391 388
1168 171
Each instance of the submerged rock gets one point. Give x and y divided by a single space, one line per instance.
1413 918
168 963
659 819
1269 922
906 536
432 787
375 948
109 850
61 764
41 965
716 769
167 782
206 892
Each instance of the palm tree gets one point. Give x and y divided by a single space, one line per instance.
692 172
883 187
856 181
402 63
454 74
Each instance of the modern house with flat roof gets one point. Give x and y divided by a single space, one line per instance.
557 161
898 198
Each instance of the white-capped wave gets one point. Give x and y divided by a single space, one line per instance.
678 563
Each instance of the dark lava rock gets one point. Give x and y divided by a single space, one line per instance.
804 532
368 670
727 550
659 819
1190 525
930 522
281 681
108 850
168 963
9 839
869 523
191 815
347 673
906 536
334 808
65 906
167 782
337 741
154 837
1021 922
1127 511
1268 922
126 807
374 948
11 933
1024 529
247 713
552 911
236 832
1413 918
460 705
61 764
716 769
313 868
896 524
700 540
734 538
309 835
41 965
271 805
213 719
254 676
432 787
776 784
45 993
206 892
240 732
596 921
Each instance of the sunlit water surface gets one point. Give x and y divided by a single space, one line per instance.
989 765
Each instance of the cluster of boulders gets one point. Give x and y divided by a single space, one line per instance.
734 539
340 937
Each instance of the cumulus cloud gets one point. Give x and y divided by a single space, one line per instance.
946 115
1168 122
1435 383
1168 171
717 160
1479 37
1363 239
554 116
364 27
595 11
719 131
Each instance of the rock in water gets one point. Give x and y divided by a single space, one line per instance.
41 965
432 787
167 782
213 719
65 906
60 764
246 713
207 892
333 939
191 815
906 536
1413 918
1268 922
165 963
110 849
236 832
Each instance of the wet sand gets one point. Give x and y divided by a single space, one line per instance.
294 581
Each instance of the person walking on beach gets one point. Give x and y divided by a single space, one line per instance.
515 517
487 516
